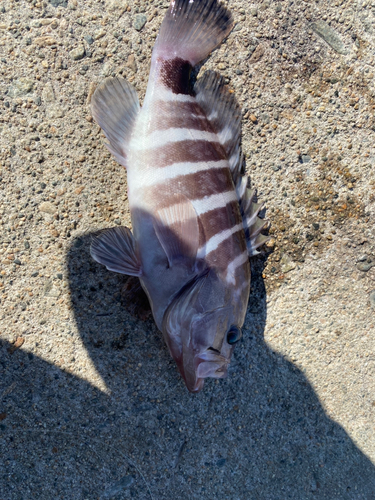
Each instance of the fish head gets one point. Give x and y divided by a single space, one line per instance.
202 325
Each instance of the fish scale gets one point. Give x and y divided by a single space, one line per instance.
194 220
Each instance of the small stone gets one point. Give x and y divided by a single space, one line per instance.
47 207
131 63
118 487
49 290
372 299
106 69
253 118
26 245
79 190
78 53
254 11
271 243
35 23
57 3
48 94
20 87
61 192
139 21
45 41
365 266
305 158
286 263
330 36
99 34
16 345
89 39
117 5
221 66
362 258
257 54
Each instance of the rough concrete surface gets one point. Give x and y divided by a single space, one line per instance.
91 404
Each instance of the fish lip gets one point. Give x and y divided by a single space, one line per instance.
212 356
211 364
207 364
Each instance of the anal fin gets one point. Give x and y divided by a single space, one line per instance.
115 248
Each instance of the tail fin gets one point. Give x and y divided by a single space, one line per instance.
192 29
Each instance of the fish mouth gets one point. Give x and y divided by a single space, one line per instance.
211 364
207 364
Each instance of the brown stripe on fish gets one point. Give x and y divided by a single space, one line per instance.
172 114
186 151
196 186
219 219
226 251
175 75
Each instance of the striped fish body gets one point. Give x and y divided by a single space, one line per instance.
194 221
179 165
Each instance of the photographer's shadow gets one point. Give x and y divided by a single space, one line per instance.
259 434
285 444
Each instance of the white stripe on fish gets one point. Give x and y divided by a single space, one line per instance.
165 94
232 266
161 138
215 241
214 201
163 174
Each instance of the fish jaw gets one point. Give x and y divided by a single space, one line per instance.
208 364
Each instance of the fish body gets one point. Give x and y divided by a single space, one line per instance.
194 220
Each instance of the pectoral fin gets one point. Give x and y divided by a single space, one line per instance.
177 229
114 107
115 248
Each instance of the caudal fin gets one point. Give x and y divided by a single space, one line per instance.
192 29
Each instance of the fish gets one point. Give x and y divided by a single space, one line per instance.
195 222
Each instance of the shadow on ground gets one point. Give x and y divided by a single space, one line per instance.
260 434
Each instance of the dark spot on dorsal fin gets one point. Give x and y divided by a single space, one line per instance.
175 74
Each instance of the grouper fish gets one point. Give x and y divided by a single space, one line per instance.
194 220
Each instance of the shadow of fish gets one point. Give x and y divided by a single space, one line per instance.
195 221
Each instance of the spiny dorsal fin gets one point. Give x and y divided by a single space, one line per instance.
114 107
224 114
253 224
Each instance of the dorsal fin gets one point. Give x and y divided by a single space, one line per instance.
224 114
114 107
252 223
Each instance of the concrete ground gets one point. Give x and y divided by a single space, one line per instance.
91 404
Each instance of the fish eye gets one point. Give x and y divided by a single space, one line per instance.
234 334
